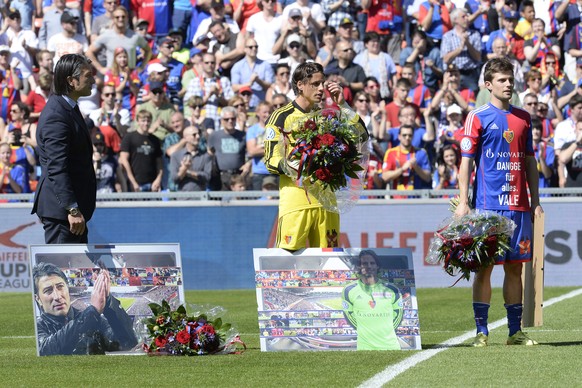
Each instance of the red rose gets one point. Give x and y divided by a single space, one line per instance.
206 329
323 174
327 139
329 113
310 124
317 142
183 337
161 341
161 320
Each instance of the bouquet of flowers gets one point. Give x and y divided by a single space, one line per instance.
328 157
174 332
469 243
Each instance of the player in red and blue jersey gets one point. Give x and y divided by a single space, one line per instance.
497 140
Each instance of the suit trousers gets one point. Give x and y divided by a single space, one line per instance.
58 232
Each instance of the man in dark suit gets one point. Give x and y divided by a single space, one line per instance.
65 196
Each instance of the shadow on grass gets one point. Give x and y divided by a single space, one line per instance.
566 343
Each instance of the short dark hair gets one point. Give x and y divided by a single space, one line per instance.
69 65
495 66
303 72
405 127
577 99
45 269
537 123
24 108
368 252
371 35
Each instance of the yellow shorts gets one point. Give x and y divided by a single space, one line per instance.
316 225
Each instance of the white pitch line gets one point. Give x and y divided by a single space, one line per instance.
392 371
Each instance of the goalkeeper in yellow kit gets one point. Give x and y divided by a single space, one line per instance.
302 218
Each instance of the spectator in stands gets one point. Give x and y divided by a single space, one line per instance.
376 63
447 171
345 33
451 92
406 167
385 19
141 156
108 171
173 142
533 80
500 49
118 36
507 33
336 11
51 22
38 97
313 18
462 47
198 117
213 89
10 82
68 41
113 120
158 14
100 22
530 104
544 153
253 72
124 79
23 47
434 18
279 100
161 110
282 84
217 13
539 45
295 52
228 48
190 169
419 95
422 137
571 158
328 40
265 28
351 74
427 60
400 94
13 177
255 139
63 329
565 133
174 69
229 146
243 118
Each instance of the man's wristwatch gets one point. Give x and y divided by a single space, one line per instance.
74 211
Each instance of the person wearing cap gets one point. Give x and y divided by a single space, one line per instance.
462 47
181 52
23 47
507 32
68 41
119 36
217 13
295 50
385 18
295 26
251 71
345 34
228 47
161 110
446 131
66 194
51 22
108 171
311 12
377 63
336 11
141 28
175 70
214 90
265 28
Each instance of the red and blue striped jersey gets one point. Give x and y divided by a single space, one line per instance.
158 13
499 141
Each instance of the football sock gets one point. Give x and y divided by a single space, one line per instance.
481 311
514 312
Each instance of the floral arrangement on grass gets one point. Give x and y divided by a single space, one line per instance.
174 332
326 153
467 244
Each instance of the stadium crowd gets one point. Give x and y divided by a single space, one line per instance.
184 91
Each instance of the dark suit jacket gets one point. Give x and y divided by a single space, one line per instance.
66 157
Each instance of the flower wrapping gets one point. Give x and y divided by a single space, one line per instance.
175 332
470 243
328 157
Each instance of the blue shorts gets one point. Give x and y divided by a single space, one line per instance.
521 242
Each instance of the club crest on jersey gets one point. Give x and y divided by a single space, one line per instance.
525 247
466 144
372 303
508 135
288 239
270 135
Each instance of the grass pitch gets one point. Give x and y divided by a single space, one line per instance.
443 313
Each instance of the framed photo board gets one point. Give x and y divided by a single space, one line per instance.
91 299
336 299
